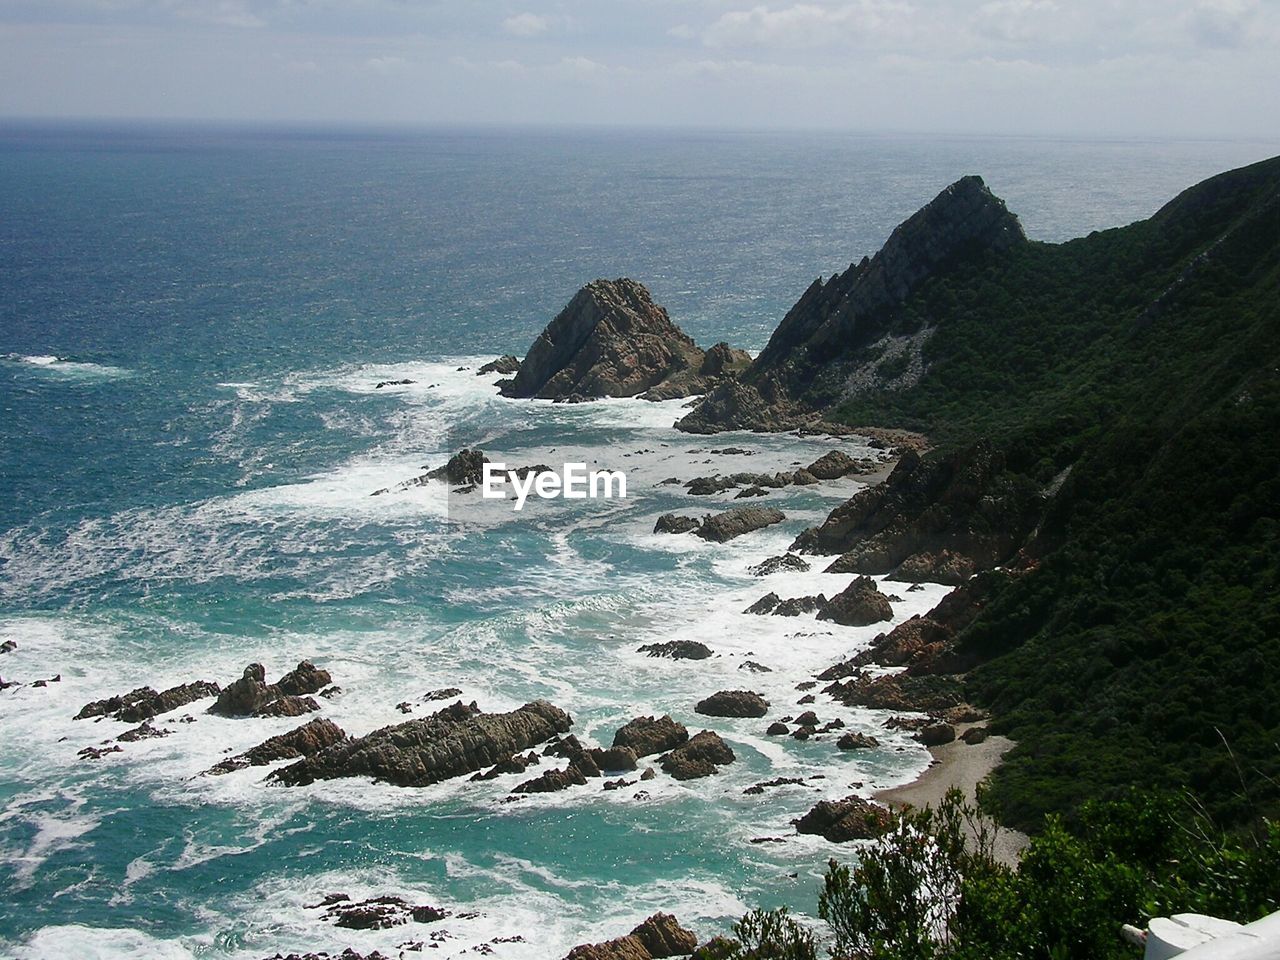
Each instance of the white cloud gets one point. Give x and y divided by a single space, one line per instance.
1017 20
526 25
1224 24
810 25
385 66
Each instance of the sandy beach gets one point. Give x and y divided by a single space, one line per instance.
963 766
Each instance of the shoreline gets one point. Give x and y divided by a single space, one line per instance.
962 766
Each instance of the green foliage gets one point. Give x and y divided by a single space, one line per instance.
896 904
933 890
1139 648
772 935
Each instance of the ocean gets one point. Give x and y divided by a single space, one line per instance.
193 327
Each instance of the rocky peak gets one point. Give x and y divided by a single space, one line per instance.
804 364
612 340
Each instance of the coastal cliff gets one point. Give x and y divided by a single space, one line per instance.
844 335
1104 417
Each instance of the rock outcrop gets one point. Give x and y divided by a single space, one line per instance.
937 518
455 741
612 340
787 561
251 695
145 703
823 350
723 527
658 937
304 741
505 365
702 756
650 735
859 604
733 703
677 650
852 818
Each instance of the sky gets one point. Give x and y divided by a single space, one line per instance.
1145 68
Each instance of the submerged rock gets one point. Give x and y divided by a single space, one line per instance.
455 741
677 650
788 561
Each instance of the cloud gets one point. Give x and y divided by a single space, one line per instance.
1222 24
809 25
385 66
1016 20
526 25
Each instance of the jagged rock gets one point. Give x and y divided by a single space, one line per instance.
144 703
936 734
659 936
832 466
611 340
513 764
764 605
817 355
377 913
444 693
753 667
455 741
749 492
650 735
803 478
733 703
347 954
758 788
674 523
849 819
290 706
857 605
777 729
393 383
144 732
807 719
251 694
304 741
938 518
677 650
926 694
702 756
857 741
464 468
554 781
614 758
8 646
97 753
799 605
723 527
788 561
505 365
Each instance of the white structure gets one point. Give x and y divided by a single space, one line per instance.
1193 936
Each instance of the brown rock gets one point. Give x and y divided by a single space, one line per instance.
733 703
649 735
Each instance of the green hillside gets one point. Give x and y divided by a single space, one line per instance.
1139 368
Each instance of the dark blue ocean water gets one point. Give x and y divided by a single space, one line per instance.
192 327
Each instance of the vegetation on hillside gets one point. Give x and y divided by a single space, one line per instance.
925 893
1142 366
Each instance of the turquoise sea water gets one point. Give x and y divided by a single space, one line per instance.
192 327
